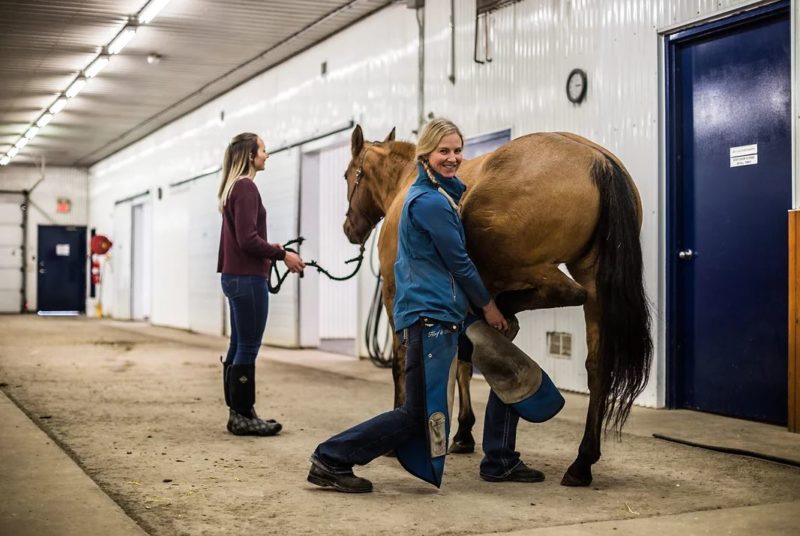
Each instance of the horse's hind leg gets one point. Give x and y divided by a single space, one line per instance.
542 287
463 442
580 472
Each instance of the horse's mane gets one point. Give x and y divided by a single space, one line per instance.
403 149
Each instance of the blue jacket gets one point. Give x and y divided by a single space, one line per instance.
434 275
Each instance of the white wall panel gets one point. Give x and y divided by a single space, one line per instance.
206 301
171 233
141 265
279 185
337 299
11 252
121 263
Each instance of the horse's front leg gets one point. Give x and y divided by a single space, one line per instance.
463 442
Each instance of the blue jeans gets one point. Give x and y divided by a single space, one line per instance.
499 438
248 297
366 441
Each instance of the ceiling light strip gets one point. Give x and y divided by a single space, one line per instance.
115 46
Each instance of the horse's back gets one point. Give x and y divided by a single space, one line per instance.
532 201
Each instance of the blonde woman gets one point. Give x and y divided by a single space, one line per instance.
245 259
436 282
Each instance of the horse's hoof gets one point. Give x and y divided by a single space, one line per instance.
576 480
462 448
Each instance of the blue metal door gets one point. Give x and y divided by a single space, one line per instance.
61 261
729 96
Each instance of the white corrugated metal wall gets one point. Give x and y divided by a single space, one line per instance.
206 302
337 299
535 45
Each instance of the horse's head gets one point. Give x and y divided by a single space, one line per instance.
364 210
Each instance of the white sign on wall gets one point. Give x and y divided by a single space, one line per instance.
744 155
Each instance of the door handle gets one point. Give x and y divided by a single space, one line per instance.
42 271
686 255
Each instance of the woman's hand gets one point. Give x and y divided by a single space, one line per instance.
494 317
293 262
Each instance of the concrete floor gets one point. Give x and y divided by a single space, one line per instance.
123 433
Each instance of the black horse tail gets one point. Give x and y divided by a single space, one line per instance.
625 345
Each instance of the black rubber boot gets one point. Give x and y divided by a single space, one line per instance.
225 366
242 418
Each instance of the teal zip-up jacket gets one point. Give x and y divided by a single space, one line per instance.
434 275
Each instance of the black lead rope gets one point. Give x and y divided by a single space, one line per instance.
311 264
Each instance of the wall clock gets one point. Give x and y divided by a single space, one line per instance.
576 86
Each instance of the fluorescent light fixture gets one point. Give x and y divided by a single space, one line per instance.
121 40
42 122
4 161
58 105
151 10
32 132
96 66
12 152
75 87
22 142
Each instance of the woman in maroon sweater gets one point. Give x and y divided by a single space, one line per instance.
245 258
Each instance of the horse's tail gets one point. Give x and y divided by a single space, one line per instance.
625 346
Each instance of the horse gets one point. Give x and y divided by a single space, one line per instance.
538 202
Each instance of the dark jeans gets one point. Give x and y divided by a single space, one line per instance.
366 441
499 438
248 297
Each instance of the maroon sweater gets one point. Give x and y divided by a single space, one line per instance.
243 246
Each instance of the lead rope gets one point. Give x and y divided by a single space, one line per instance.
273 289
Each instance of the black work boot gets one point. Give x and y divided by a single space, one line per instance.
520 473
344 482
242 418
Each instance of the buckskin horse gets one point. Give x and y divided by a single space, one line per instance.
537 202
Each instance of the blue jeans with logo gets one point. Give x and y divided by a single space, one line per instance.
248 297
366 441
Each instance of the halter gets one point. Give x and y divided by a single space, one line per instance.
359 174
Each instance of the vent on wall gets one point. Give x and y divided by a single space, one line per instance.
559 344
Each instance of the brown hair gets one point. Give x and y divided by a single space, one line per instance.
237 163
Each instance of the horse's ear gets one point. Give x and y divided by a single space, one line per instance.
357 141
390 137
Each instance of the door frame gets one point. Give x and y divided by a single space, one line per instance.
671 38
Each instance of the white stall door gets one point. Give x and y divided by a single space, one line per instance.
337 299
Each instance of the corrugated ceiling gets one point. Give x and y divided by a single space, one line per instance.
207 47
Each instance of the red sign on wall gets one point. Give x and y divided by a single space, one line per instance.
63 205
